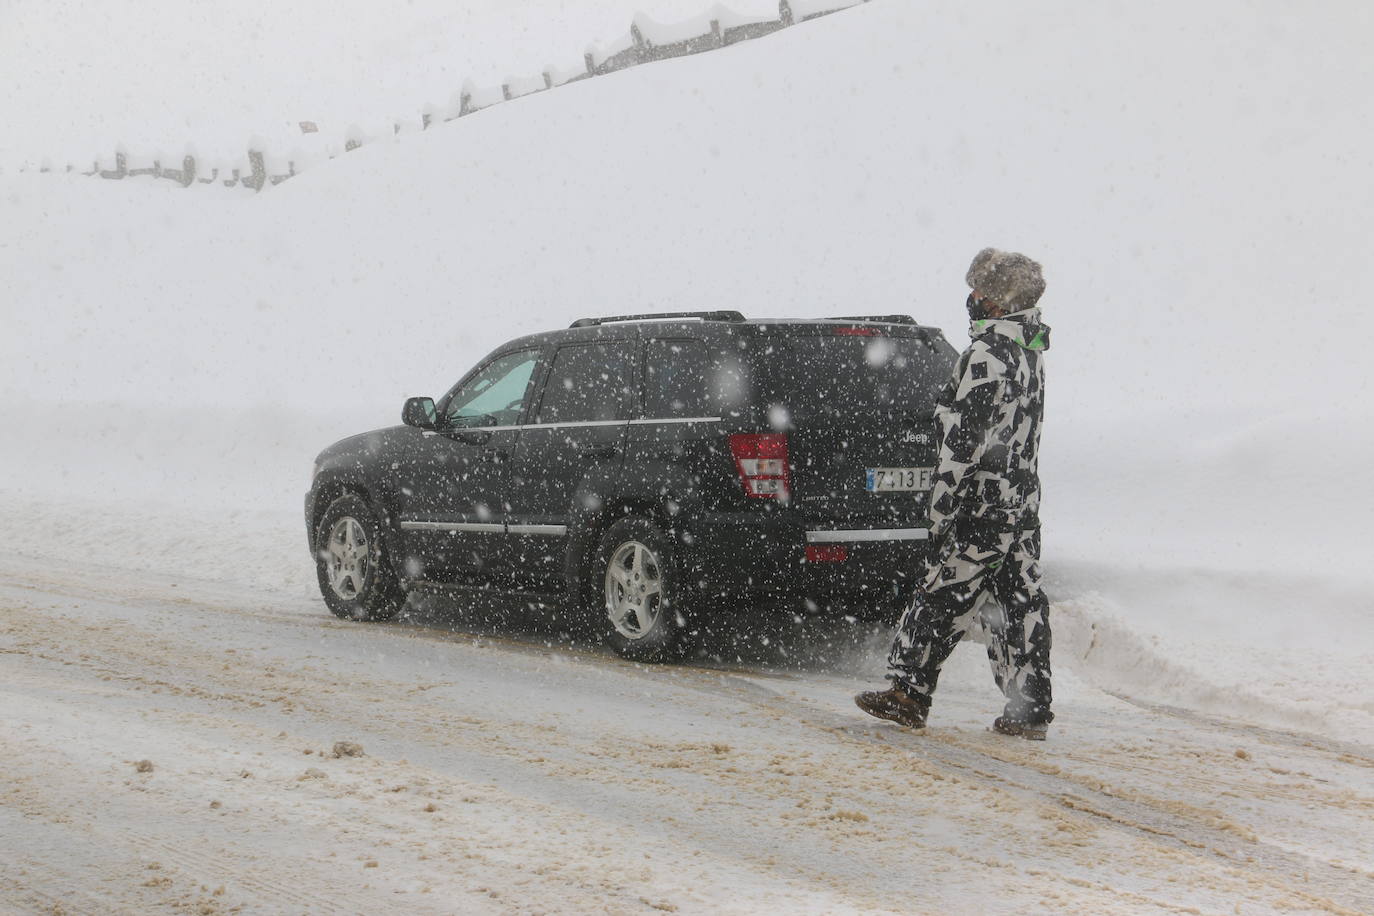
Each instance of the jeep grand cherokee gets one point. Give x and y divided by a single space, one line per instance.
657 469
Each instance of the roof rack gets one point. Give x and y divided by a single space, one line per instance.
876 319
724 315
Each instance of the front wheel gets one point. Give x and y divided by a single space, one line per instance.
642 598
356 579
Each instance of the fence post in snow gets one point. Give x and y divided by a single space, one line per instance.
255 160
182 176
260 178
643 48
121 168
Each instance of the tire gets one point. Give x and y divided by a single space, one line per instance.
638 595
356 577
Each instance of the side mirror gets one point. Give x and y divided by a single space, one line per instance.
419 412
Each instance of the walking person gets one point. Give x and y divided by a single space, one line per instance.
983 509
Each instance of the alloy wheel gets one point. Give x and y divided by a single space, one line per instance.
634 589
347 556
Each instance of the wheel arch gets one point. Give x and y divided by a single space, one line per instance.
586 534
331 488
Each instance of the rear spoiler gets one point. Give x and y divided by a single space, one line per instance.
875 319
923 332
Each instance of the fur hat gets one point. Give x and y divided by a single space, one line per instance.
1012 280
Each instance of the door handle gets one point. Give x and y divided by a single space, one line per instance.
470 436
497 454
601 451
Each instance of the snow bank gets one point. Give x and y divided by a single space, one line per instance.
1250 649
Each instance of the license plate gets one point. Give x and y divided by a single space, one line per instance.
887 480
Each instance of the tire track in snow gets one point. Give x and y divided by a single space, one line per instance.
114 651
73 864
1334 887
1345 751
22 883
129 838
199 864
125 654
1262 861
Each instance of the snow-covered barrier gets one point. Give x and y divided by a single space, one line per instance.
647 41
253 173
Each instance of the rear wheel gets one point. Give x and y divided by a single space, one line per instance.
356 578
642 606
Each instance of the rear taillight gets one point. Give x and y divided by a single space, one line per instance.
761 459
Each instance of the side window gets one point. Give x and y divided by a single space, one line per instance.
588 382
676 375
497 390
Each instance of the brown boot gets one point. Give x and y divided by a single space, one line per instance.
895 705
1031 731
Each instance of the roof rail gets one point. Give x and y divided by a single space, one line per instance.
724 315
876 319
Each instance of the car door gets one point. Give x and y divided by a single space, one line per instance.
451 488
570 449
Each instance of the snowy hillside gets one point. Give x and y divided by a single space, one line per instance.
151 76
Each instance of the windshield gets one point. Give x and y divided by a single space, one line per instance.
497 391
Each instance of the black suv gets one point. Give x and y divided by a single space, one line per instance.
656 469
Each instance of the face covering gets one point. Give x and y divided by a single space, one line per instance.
978 309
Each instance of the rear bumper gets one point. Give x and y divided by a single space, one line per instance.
864 535
763 559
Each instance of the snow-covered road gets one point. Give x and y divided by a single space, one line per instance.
513 771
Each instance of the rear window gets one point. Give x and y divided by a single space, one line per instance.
808 374
686 378
677 374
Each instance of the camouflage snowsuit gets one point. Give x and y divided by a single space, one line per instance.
983 513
